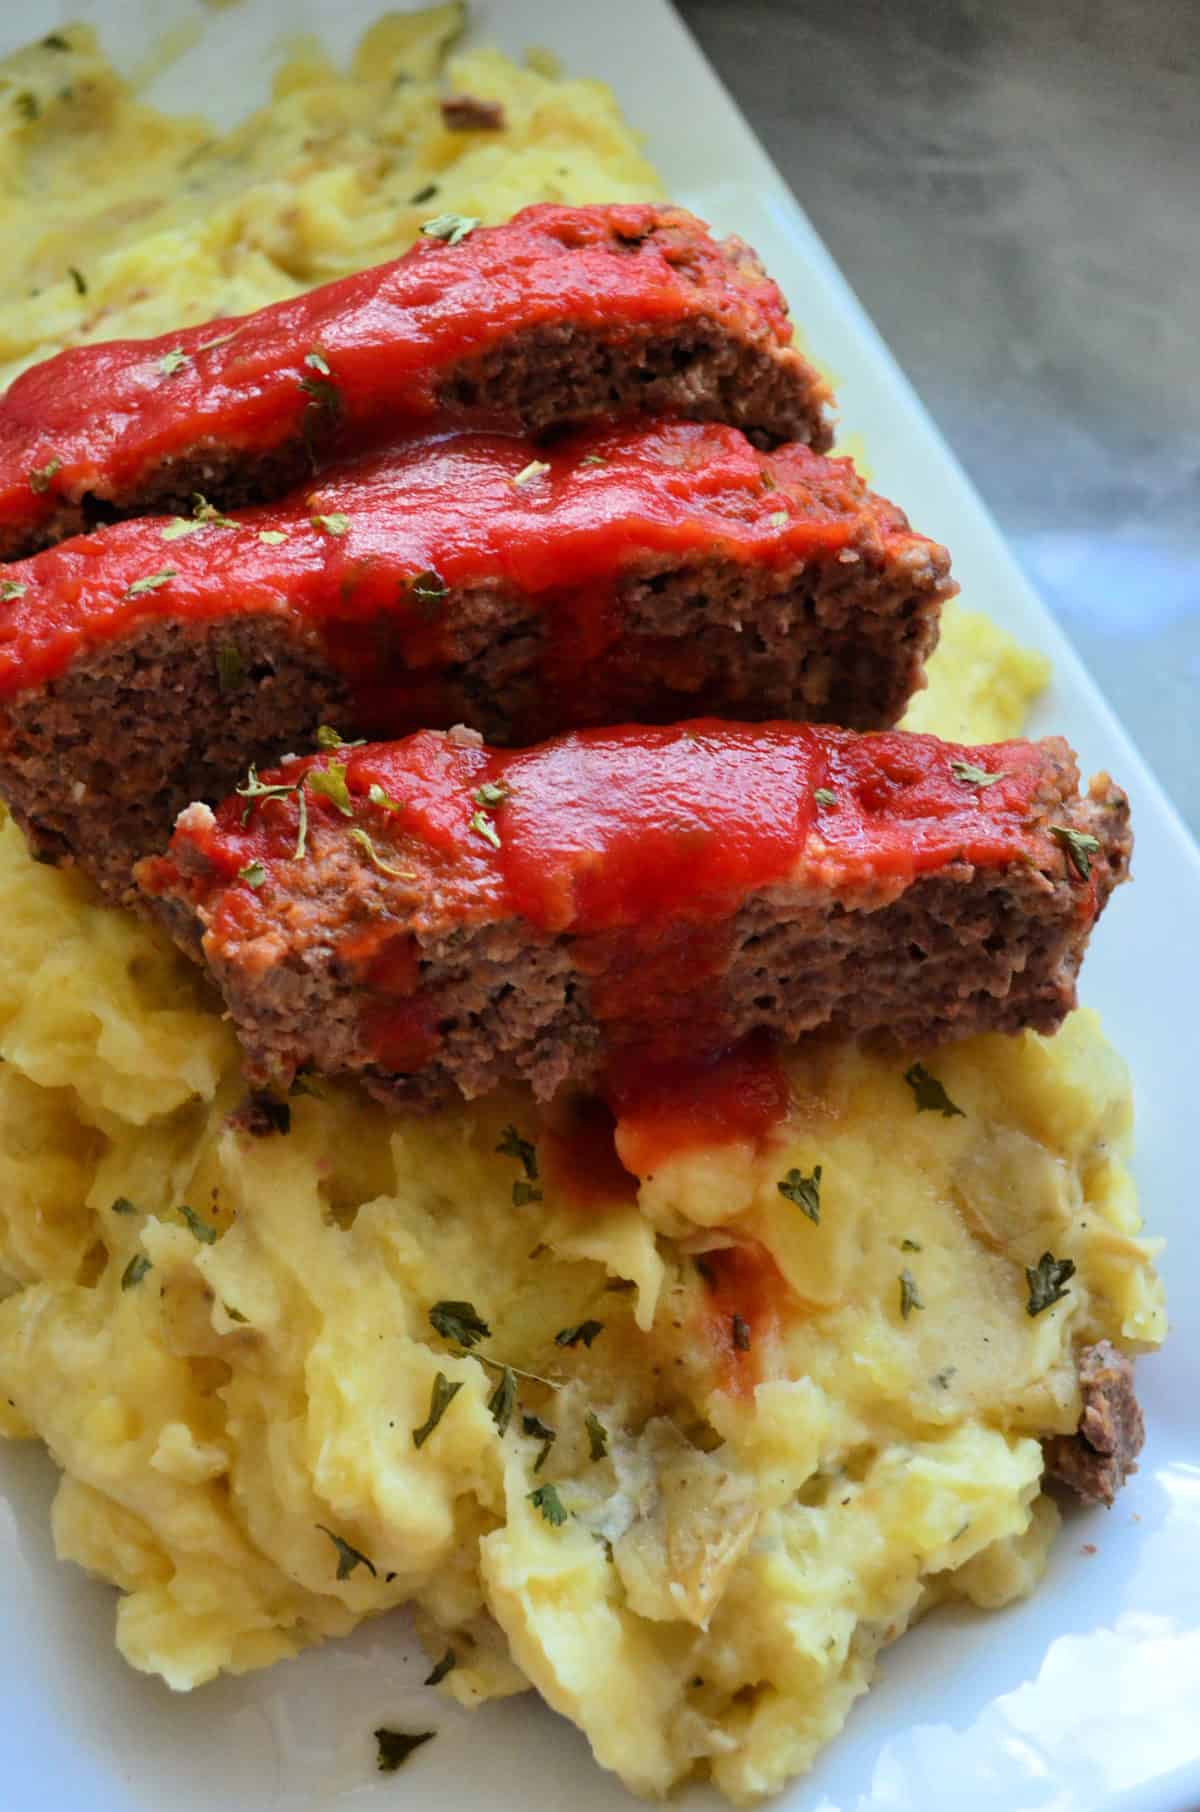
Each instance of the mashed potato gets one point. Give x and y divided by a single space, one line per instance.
118 219
683 1456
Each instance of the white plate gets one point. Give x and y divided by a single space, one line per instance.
1084 1699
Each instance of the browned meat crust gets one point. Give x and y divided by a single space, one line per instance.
1097 1459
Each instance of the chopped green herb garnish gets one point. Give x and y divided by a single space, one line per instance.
207 513
254 874
741 1334
444 1393
1047 1281
255 790
537 468
54 40
547 1500
930 1096
483 827
459 1321
377 796
348 1557
205 1233
492 792
910 1245
329 738
972 776
512 1145
315 360
503 1399
532 1377
234 1314
534 1426
151 582
39 478
804 1191
597 1436
425 194
453 228
179 526
593 459
395 1746
825 796
204 515
323 396
910 1296
27 105
11 588
376 860
173 361
446 1665
1079 846
122 1205
941 1380
586 1332
330 783
523 1193
429 585
135 1270
78 279
271 536
301 821
231 669
335 524
324 407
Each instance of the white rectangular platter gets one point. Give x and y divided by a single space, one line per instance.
1082 1700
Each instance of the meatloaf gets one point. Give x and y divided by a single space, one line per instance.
562 315
436 917
632 573
1097 1459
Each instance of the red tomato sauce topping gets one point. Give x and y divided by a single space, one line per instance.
371 348
661 1108
640 844
365 555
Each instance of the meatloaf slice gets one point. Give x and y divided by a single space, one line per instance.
562 315
437 918
1097 1459
632 573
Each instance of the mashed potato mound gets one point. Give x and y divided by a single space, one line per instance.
118 219
684 1455
225 1342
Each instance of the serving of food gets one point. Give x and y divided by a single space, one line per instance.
541 1074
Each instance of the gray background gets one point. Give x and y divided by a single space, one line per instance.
1013 189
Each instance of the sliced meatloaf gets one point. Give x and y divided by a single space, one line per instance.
437 918
562 315
636 573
